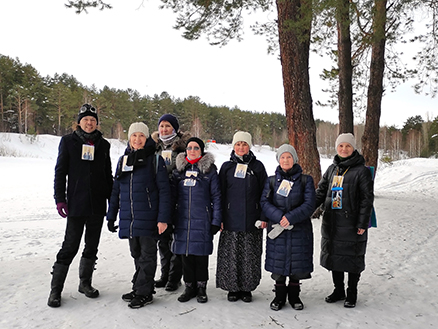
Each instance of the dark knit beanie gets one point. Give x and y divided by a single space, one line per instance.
199 141
87 110
171 119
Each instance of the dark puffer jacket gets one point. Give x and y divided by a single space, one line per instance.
89 182
241 196
142 195
198 207
291 253
342 249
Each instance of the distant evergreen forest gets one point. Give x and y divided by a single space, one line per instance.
33 104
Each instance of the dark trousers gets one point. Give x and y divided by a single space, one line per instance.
338 280
73 235
195 268
144 251
171 265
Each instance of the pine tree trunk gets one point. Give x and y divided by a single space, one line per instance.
370 138
345 95
294 27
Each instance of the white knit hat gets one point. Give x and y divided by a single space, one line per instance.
242 136
138 127
287 148
346 138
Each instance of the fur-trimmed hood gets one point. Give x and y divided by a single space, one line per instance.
179 145
205 164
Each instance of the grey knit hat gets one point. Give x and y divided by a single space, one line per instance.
346 138
242 136
287 148
138 127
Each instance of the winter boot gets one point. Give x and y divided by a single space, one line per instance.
201 296
353 280
59 273
86 268
189 293
294 296
339 292
280 297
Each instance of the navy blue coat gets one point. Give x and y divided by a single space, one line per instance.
241 197
89 182
142 196
342 249
197 207
291 253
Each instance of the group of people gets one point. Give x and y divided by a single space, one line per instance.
169 196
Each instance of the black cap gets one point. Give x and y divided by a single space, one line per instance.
199 141
87 110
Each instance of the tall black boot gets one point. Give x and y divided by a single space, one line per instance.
188 293
201 295
86 268
280 297
294 296
353 280
339 292
59 273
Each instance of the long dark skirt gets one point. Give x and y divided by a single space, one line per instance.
239 260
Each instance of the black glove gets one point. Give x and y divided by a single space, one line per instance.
215 229
111 227
317 213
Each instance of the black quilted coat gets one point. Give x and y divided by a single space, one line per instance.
342 249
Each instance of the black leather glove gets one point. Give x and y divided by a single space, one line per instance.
215 229
317 213
111 227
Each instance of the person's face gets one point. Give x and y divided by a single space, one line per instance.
137 141
286 161
193 150
241 148
88 124
165 128
344 150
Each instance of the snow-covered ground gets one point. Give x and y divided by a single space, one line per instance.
398 289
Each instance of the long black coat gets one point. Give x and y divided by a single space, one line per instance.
89 182
241 197
342 249
291 253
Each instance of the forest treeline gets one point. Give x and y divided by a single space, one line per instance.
32 104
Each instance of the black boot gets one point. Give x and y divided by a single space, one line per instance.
294 296
353 280
201 296
339 292
59 273
280 297
189 293
86 268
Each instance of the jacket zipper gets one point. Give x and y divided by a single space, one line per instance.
132 206
149 198
189 219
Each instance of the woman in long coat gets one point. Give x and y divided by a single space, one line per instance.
196 193
170 142
346 195
240 244
288 201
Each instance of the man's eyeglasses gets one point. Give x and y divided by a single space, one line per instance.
196 148
84 109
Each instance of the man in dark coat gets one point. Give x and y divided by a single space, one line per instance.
83 183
